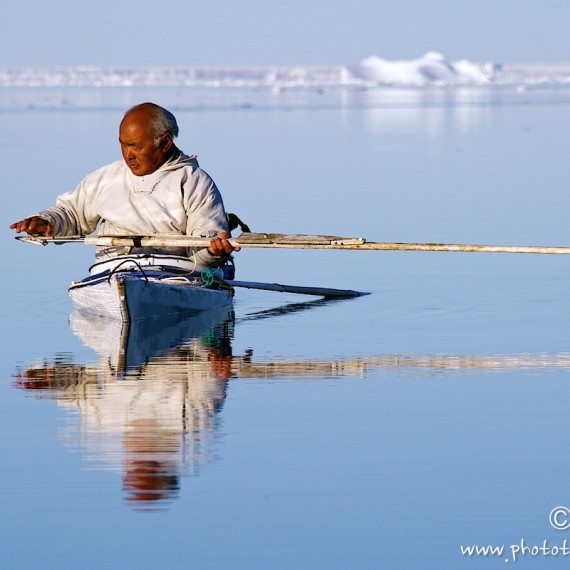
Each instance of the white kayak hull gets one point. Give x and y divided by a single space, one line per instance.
135 293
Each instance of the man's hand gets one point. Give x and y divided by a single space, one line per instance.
220 245
34 226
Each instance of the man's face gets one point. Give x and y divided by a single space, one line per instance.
137 146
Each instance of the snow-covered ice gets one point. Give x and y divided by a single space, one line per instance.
431 69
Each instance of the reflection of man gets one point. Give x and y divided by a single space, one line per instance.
149 477
154 424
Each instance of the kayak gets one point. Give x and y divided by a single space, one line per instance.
134 287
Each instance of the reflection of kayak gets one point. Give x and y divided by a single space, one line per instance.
130 288
127 346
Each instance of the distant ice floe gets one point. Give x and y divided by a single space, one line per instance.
431 69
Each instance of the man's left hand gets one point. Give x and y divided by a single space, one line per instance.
220 246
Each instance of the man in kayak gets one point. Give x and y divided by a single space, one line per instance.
155 189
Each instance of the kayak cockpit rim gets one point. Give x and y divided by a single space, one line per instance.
142 260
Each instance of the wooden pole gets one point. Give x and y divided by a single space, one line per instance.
292 241
300 241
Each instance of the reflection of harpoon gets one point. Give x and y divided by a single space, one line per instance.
358 367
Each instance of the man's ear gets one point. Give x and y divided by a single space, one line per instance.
166 142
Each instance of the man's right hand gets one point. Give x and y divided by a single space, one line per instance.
34 226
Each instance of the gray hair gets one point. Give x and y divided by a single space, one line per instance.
160 121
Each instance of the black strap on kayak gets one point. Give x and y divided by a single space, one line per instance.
234 222
118 269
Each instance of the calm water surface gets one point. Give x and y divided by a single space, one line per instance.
386 431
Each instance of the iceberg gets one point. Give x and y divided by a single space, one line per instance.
430 69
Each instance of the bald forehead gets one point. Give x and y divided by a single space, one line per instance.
139 118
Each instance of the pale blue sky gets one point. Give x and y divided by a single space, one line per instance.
281 32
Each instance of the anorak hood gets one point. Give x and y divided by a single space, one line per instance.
178 161
148 182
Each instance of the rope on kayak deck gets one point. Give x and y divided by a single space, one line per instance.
208 276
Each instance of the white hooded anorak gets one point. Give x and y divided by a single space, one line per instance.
179 198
